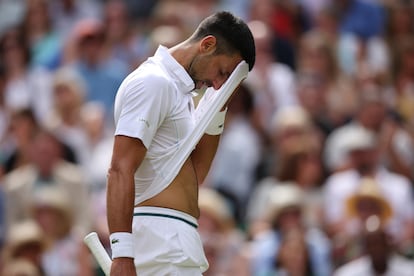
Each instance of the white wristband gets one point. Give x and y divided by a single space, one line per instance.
216 126
122 245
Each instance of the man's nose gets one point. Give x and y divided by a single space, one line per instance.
217 84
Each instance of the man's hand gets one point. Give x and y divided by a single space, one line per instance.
123 267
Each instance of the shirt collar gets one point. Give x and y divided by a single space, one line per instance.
184 81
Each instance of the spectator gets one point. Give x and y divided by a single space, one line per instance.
66 13
23 127
101 74
221 239
394 142
317 60
26 87
402 91
65 254
365 162
45 44
123 42
47 168
233 171
272 82
20 268
64 119
288 236
379 259
99 145
26 242
366 205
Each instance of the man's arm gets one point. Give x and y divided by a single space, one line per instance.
203 155
127 156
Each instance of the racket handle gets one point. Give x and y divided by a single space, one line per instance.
98 251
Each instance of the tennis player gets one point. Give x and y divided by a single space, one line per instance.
157 234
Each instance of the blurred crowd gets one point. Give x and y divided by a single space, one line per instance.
315 170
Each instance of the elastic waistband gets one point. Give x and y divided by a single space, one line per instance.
165 213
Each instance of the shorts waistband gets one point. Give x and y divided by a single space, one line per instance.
165 213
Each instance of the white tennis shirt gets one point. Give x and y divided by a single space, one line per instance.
154 104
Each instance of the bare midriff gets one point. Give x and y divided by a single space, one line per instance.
181 194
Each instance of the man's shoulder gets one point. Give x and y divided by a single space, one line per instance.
151 74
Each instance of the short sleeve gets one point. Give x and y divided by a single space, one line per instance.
143 105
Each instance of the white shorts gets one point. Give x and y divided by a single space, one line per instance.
167 243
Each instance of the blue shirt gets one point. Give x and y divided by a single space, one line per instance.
363 19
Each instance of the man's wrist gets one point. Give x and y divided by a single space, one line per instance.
122 245
216 126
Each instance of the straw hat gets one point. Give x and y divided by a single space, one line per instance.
23 233
211 202
20 267
368 189
55 198
290 117
282 197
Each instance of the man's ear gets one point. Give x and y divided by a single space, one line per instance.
208 44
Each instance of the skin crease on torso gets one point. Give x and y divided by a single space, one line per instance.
182 193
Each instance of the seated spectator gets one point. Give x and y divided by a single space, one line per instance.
20 267
26 86
272 249
25 242
365 162
380 257
318 68
23 127
122 41
64 119
44 42
47 168
233 172
221 239
395 145
65 254
366 203
102 74
295 158
271 81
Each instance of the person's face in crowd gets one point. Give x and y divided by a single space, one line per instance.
312 98
310 169
372 115
91 46
364 160
46 151
22 129
315 59
367 207
12 51
66 99
116 20
38 15
210 69
289 218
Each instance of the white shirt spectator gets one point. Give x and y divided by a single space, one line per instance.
395 188
397 266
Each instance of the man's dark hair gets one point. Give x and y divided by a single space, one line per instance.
232 34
